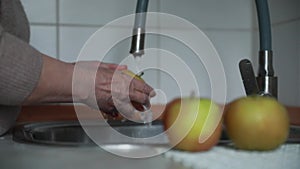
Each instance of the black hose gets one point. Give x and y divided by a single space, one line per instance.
140 17
264 25
142 6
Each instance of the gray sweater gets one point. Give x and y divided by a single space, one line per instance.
20 64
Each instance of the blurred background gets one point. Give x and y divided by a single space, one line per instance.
60 28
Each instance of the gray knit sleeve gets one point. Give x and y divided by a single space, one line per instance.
20 69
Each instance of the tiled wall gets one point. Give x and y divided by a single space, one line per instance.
61 27
286 45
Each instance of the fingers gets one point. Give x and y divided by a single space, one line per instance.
105 104
139 97
141 86
138 106
139 91
124 107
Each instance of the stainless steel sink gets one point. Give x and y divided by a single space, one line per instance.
71 133
126 139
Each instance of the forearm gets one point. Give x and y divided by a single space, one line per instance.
55 83
20 69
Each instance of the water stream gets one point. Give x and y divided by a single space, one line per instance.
147 115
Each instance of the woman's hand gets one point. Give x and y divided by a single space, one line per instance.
108 87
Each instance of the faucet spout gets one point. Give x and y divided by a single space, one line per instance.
138 33
137 42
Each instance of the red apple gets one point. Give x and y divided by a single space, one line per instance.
256 123
193 124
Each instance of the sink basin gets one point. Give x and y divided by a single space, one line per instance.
71 133
127 139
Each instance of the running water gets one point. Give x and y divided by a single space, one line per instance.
137 63
146 115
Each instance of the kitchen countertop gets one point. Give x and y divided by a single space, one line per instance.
28 156
15 155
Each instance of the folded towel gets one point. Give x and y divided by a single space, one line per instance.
287 156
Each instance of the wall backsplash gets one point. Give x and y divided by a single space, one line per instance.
60 28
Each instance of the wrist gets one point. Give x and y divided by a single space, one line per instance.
55 83
83 78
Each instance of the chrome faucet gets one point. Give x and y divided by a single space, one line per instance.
264 84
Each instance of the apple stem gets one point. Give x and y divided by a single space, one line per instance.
140 74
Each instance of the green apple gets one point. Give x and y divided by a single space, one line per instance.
193 124
256 123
